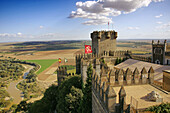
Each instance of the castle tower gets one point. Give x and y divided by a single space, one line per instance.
158 52
65 71
78 64
103 42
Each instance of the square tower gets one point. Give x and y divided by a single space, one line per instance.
158 52
103 42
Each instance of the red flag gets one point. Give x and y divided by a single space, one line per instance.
59 60
88 49
108 23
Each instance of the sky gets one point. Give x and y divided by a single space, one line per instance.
45 20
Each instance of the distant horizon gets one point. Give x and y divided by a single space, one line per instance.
168 40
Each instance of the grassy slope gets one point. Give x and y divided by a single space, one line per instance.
44 63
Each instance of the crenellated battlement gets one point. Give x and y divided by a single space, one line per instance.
120 53
158 43
141 58
103 86
103 35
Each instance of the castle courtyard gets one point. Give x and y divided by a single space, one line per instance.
139 92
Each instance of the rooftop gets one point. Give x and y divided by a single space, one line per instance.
132 64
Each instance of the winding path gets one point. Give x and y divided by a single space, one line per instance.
14 91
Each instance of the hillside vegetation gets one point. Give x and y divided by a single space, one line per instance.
71 96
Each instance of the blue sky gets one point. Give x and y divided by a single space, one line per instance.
40 20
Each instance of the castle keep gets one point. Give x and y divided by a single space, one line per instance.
103 42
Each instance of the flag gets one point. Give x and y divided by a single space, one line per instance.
108 23
65 60
88 49
59 60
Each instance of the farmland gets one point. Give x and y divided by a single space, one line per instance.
43 63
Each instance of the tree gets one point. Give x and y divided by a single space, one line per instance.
73 99
23 106
117 61
64 89
86 104
61 98
13 108
162 108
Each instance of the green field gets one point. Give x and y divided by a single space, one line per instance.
43 63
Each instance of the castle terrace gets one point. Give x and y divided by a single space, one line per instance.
132 64
139 92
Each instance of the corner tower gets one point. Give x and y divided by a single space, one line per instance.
103 42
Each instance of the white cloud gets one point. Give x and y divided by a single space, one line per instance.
158 16
164 26
99 11
126 6
133 28
7 35
98 21
168 30
159 22
41 27
19 34
158 0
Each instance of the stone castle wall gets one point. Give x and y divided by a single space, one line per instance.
141 58
166 79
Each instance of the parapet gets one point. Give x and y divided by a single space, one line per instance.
104 34
158 43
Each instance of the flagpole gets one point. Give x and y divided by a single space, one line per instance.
112 26
84 49
108 26
64 61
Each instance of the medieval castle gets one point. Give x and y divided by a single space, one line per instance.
107 77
